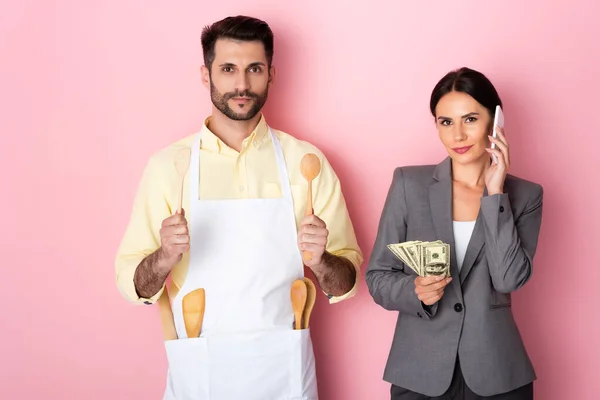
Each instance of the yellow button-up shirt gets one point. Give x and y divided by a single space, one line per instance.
226 174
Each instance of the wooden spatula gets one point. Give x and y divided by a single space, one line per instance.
298 295
311 295
193 312
182 163
310 166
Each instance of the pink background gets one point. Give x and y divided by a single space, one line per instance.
88 90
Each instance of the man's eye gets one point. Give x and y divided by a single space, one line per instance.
255 69
227 69
445 122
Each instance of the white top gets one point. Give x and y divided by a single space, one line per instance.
462 235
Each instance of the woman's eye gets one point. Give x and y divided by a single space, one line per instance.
471 119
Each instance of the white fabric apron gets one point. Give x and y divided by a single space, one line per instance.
244 253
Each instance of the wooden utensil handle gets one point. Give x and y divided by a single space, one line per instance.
309 205
306 255
180 197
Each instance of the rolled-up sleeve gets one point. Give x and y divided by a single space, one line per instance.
142 234
330 206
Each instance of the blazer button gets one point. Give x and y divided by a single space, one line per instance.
501 208
458 307
419 315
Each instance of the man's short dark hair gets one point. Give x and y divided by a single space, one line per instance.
238 28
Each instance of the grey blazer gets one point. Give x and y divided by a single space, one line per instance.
473 319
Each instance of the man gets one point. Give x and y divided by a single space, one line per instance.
239 235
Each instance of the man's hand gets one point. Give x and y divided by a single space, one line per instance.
430 289
336 275
152 272
174 239
312 237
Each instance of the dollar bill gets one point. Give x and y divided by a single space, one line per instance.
436 259
413 249
425 258
399 252
402 251
411 254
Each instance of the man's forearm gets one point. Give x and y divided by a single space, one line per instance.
336 275
150 275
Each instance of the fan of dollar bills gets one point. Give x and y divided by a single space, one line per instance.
425 258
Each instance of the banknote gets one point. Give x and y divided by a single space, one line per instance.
425 258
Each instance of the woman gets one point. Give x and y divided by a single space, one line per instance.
455 336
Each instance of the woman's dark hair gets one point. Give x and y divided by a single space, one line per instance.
468 81
239 28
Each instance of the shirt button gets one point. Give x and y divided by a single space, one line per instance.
501 208
458 307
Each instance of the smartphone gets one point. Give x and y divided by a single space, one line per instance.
498 123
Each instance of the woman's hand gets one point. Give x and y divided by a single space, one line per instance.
430 289
496 173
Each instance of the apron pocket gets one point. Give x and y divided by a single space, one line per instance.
261 365
249 365
188 369
303 377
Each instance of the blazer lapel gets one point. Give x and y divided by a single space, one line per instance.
475 244
440 200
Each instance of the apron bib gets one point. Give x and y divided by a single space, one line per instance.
244 253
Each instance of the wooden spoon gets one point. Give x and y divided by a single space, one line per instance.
298 295
193 312
311 291
182 163
310 166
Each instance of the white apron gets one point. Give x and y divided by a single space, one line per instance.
244 253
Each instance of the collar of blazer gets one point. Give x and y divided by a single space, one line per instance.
440 201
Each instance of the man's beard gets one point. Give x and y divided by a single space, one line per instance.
220 101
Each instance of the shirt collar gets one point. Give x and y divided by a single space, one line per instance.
211 142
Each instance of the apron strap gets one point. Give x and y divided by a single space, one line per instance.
283 174
195 169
